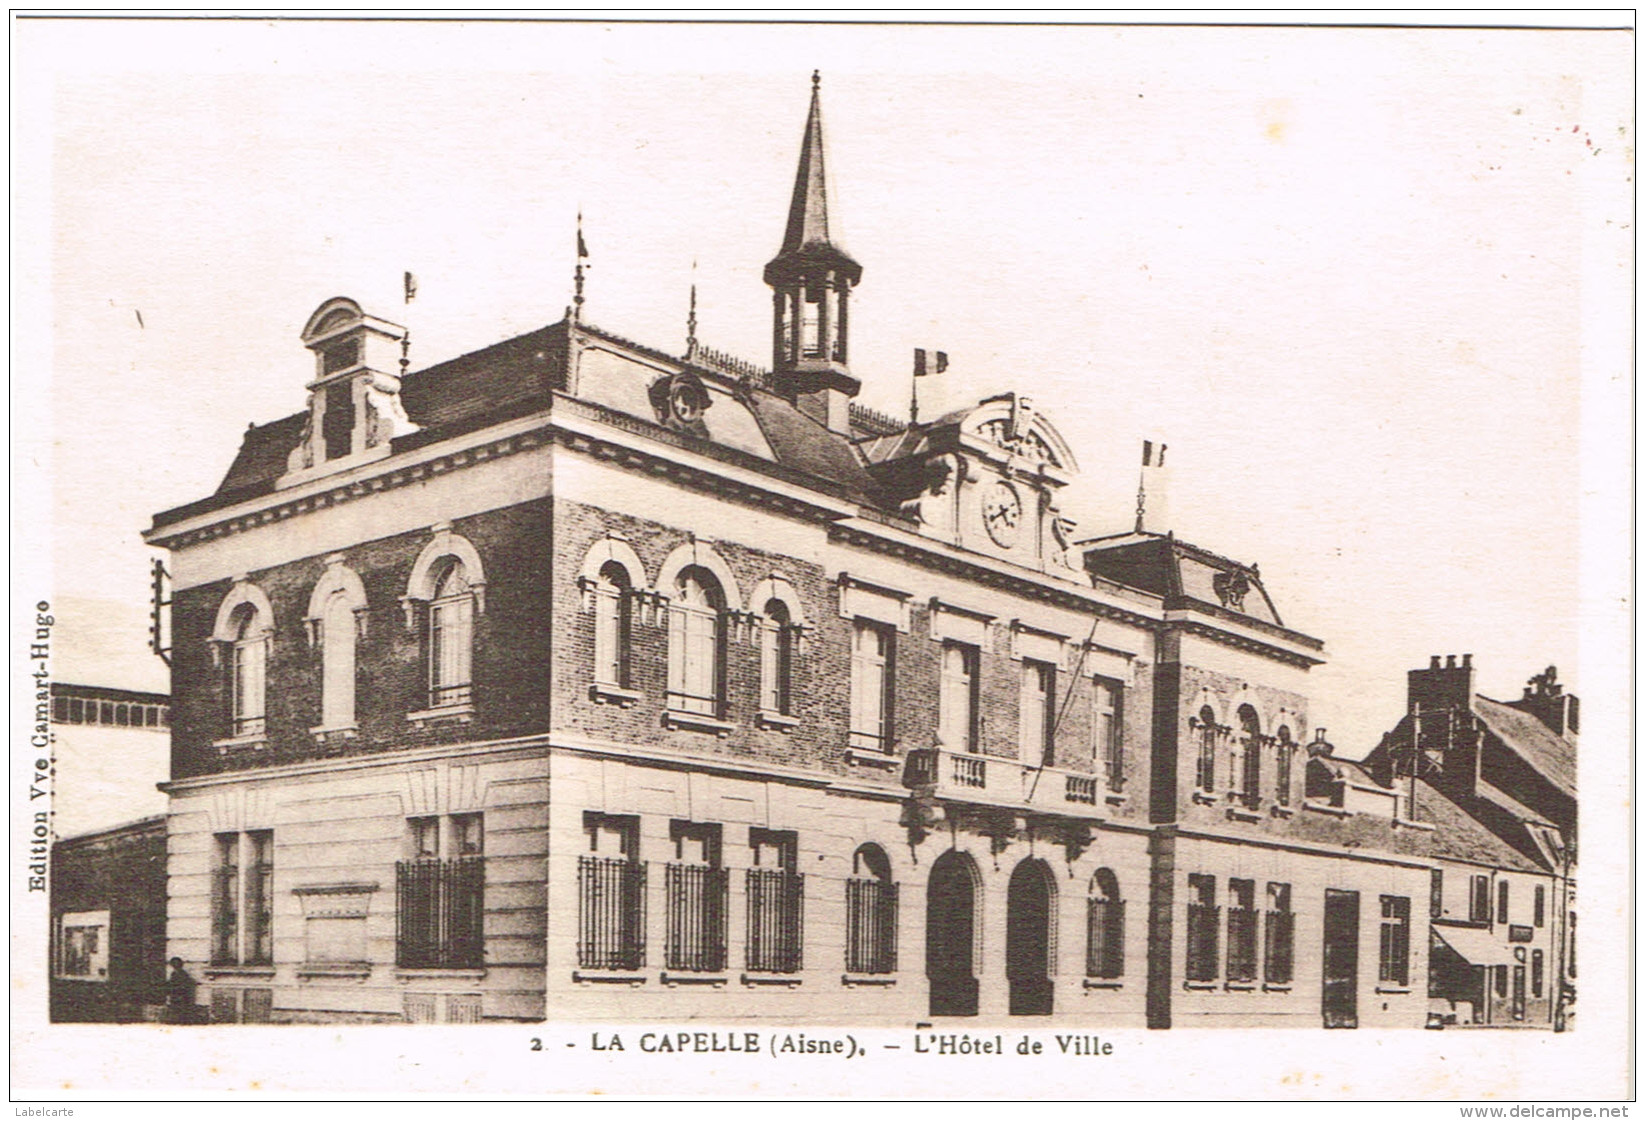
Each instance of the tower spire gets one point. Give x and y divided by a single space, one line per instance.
808 208
811 280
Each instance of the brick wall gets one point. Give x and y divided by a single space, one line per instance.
510 651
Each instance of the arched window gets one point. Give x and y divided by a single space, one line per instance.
1105 927
248 661
451 637
777 640
336 620
1286 751
613 623
1245 756
1206 772
337 634
870 913
696 644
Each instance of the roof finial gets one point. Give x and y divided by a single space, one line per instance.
405 352
816 79
582 255
691 318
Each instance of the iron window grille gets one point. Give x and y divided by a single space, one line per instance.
1203 922
441 913
611 913
697 896
871 926
1278 940
776 918
1105 938
1242 944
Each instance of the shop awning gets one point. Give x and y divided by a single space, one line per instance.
1476 945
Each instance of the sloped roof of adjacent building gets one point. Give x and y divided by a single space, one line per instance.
1549 754
1459 835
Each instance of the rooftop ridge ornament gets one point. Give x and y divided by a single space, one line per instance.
577 275
691 318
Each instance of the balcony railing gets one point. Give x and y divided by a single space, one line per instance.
1000 781
1080 789
696 917
441 913
969 770
1105 938
611 913
870 926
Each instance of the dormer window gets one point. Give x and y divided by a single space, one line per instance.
340 357
354 399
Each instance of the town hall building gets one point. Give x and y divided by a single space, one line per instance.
573 678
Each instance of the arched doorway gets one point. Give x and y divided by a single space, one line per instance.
1028 908
950 935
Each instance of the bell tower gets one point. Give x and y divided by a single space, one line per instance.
811 280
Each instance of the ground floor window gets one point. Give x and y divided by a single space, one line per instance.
611 894
441 894
1242 930
1278 936
696 887
1394 956
1105 927
870 913
1203 923
83 946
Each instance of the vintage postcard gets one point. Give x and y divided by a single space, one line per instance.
773 559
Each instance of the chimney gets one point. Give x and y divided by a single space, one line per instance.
1447 686
1546 699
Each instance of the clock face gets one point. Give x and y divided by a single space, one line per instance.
1002 514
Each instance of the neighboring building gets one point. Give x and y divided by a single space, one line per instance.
111 747
575 679
108 924
1498 780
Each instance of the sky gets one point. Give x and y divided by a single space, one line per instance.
1371 286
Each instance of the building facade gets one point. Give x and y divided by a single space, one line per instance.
107 879
575 679
108 924
1498 780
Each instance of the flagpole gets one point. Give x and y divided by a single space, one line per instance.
1067 699
577 276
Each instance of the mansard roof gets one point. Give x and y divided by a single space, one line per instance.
1182 573
520 375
